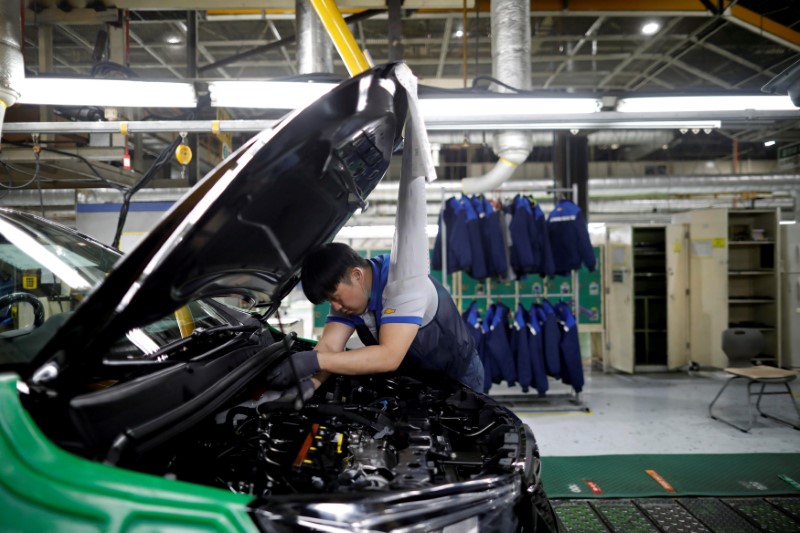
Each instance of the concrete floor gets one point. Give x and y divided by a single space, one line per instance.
656 413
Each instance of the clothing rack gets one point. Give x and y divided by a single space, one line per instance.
552 402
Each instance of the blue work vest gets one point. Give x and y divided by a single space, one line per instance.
444 344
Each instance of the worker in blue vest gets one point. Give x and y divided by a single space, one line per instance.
419 326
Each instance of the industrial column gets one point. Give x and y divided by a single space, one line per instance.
571 166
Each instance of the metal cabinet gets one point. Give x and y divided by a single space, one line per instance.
646 297
733 280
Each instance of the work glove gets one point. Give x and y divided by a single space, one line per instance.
305 392
305 364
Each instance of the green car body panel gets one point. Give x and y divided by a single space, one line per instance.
44 488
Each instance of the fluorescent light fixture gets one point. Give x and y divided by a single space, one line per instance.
106 93
487 108
769 143
534 124
786 222
650 28
266 94
378 231
705 104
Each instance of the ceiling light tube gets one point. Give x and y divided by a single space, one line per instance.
677 104
266 94
488 108
106 93
593 124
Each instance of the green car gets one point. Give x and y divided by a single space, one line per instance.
132 388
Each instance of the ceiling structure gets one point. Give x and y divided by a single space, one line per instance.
593 47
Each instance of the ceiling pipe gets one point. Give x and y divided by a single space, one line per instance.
511 52
12 65
314 47
545 138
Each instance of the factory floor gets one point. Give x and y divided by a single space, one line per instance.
662 413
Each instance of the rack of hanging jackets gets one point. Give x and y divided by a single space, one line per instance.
509 243
474 239
528 347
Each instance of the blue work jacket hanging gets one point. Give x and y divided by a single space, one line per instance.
551 337
569 239
540 243
521 251
571 364
478 266
527 347
492 237
498 347
453 223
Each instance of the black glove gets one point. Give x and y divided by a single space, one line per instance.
306 391
306 364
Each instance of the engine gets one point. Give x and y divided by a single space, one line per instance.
355 434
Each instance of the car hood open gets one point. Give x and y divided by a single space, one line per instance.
247 226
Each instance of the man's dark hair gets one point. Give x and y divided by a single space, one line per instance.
326 267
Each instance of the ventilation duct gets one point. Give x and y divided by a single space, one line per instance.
12 66
511 64
314 47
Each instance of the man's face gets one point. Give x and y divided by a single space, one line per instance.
351 295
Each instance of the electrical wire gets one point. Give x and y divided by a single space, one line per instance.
76 156
162 159
36 151
9 166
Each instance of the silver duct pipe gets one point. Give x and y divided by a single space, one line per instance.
511 64
669 185
12 65
314 47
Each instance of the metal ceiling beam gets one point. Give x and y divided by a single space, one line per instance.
638 53
686 8
200 47
290 64
92 153
680 50
572 53
78 16
427 61
69 32
604 120
429 40
154 55
702 74
736 59
763 26
448 29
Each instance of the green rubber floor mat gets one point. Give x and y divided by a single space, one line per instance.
642 476
680 515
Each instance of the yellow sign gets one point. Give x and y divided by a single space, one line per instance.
718 243
29 282
677 247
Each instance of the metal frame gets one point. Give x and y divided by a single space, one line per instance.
751 415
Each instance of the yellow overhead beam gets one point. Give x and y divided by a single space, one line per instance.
342 37
621 6
765 27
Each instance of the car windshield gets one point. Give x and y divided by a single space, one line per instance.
46 271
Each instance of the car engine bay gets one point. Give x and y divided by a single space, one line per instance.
373 433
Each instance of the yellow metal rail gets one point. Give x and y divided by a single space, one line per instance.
342 37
